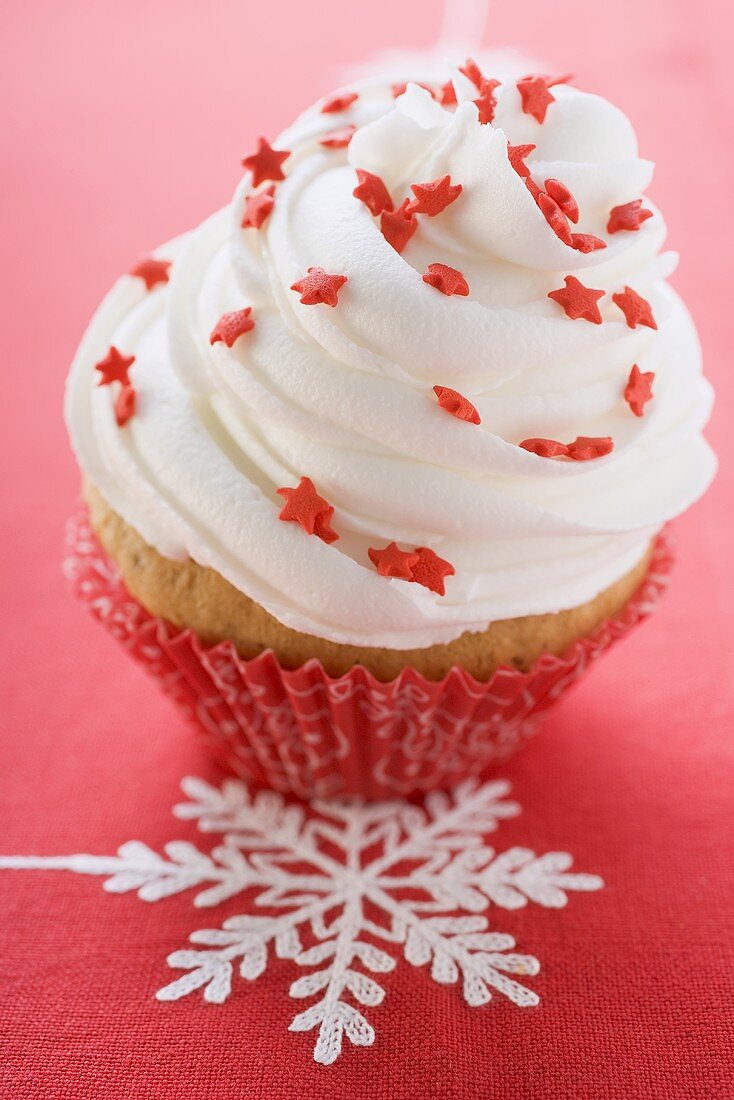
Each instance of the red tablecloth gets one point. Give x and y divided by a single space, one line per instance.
124 126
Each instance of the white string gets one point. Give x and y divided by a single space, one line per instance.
461 33
463 26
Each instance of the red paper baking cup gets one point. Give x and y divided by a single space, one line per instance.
311 734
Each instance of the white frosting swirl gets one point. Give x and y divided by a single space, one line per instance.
344 395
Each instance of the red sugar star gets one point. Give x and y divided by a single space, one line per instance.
516 155
432 198
319 288
322 527
636 310
638 390
393 562
265 164
372 192
486 101
258 206
578 301
304 505
585 242
456 404
471 70
339 103
151 271
124 405
114 368
230 326
629 216
430 570
535 93
582 449
555 217
563 197
545 448
338 139
533 188
448 94
398 226
446 279
586 447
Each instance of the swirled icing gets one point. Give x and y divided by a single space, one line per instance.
345 395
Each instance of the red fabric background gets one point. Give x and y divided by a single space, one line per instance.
123 127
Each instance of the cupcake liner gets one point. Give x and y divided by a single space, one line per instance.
310 734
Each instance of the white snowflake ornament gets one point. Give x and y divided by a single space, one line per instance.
358 882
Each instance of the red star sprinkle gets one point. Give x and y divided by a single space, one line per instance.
258 206
456 404
265 164
578 301
535 93
338 139
230 326
319 288
563 197
114 368
630 216
555 217
585 242
636 309
432 198
304 505
582 449
471 70
486 101
372 192
393 562
339 103
638 390
124 405
322 527
448 94
545 448
517 154
533 188
430 570
398 226
151 271
446 279
586 447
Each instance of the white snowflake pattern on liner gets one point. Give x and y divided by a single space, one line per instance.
345 876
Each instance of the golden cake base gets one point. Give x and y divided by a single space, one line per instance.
193 596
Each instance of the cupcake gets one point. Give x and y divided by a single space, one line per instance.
379 457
